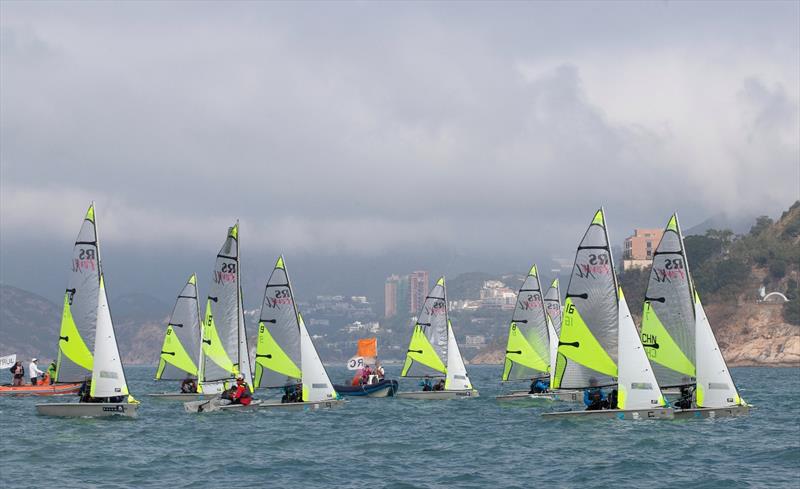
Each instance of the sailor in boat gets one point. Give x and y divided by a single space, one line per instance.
292 393
379 371
18 372
51 372
33 371
188 386
241 392
84 394
685 399
426 384
439 385
539 386
594 398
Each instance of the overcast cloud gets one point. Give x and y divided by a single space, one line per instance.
362 129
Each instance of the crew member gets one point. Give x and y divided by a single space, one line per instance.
18 372
241 394
51 371
33 371
539 385
188 386
593 397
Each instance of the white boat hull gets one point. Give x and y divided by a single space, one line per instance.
303 406
438 395
87 409
635 414
723 412
217 404
554 396
184 397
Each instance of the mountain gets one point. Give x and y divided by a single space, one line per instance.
30 324
737 224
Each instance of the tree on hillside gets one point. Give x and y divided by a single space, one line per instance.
762 224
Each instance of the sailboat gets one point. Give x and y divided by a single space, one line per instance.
599 345
532 342
224 337
433 351
87 320
361 385
678 338
181 347
285 354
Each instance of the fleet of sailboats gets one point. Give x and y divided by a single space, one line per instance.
588 344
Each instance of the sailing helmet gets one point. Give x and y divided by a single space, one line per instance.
240 377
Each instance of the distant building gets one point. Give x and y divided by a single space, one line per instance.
475 341
418 286
496 295
640 247
390 296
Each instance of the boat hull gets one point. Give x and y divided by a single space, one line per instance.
633 414
723 412
554 396
184 397
216 404
40 390
438 395
88 409
384 388
304 406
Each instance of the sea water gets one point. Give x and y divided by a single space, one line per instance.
394 443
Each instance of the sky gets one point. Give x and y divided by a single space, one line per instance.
365 138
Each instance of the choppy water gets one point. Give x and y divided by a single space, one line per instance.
395 443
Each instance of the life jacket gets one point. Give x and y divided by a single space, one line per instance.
595 395
242 394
